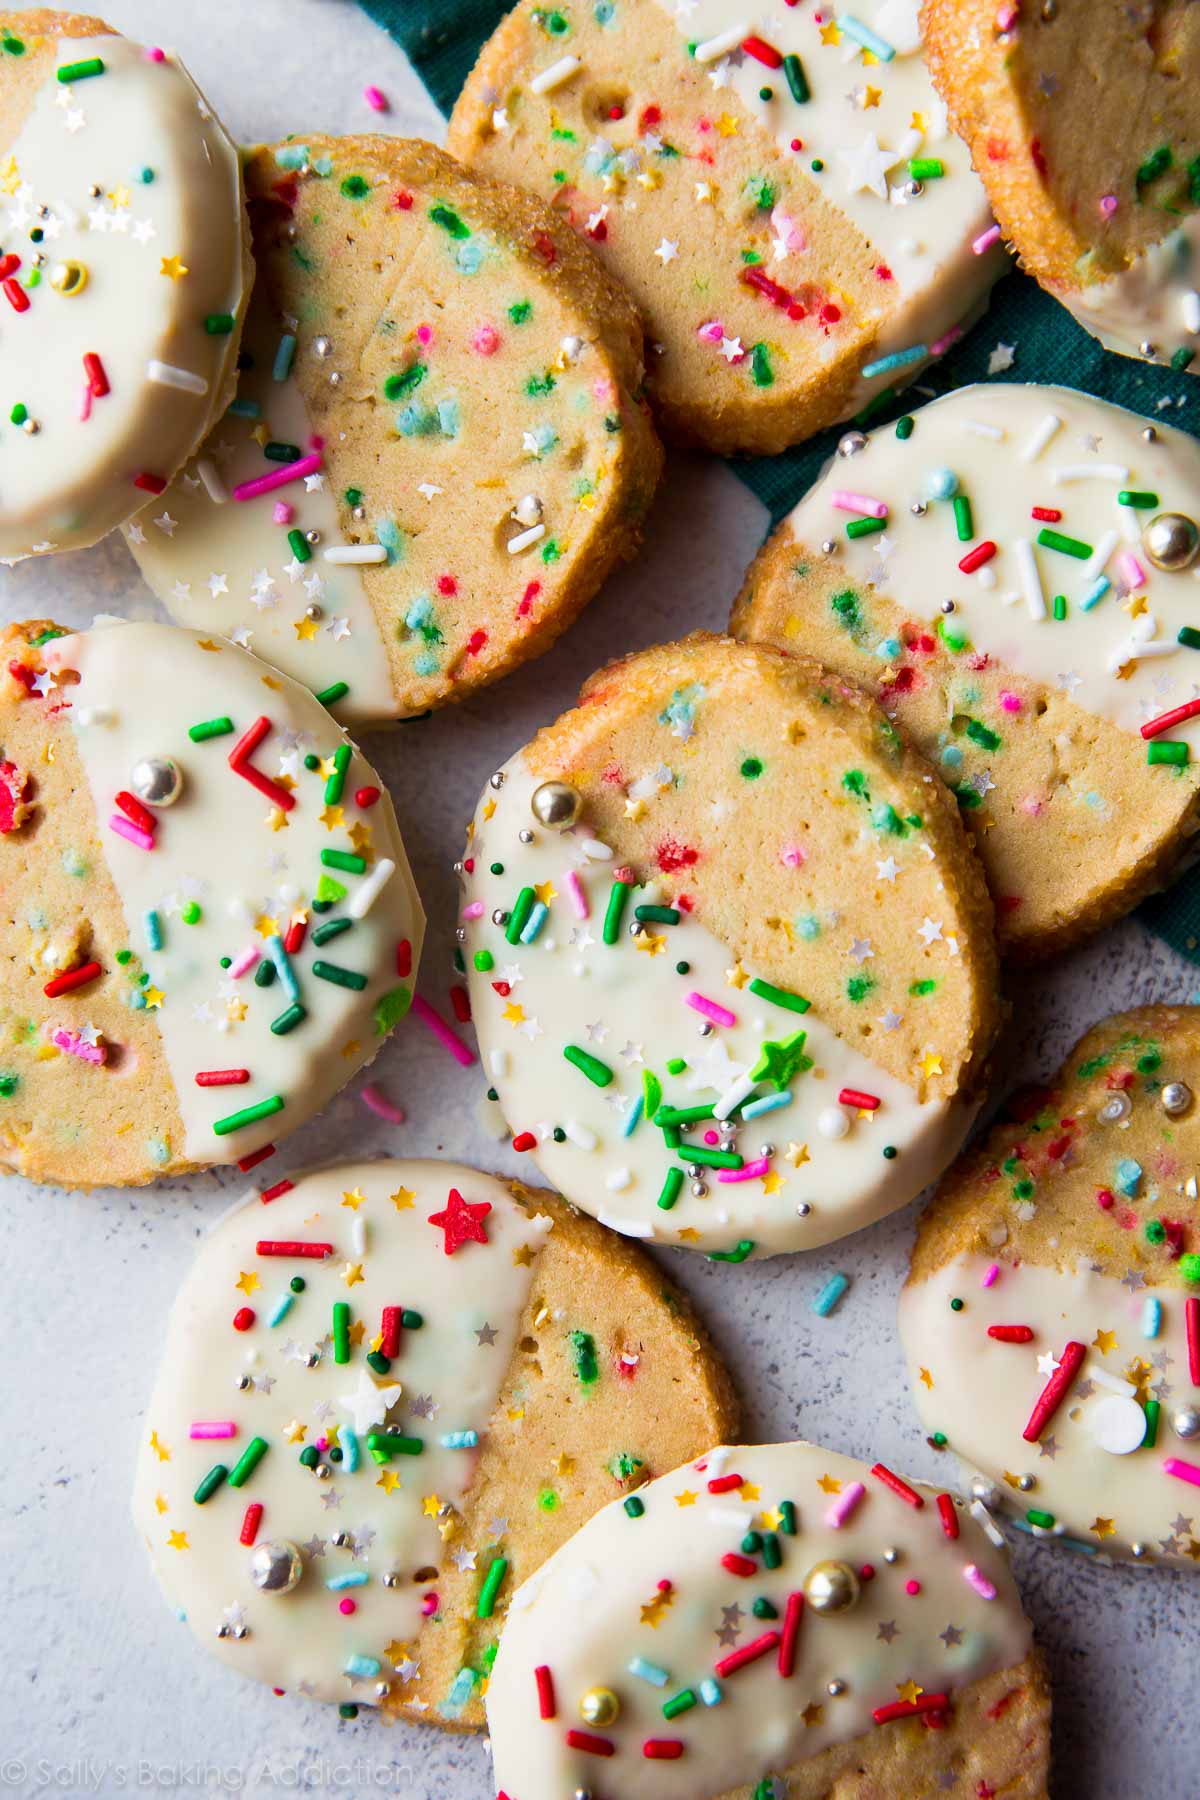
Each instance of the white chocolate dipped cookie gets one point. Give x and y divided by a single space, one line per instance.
125 270
1106 219
386 1396
209 922
437 451
777 1619
1051 1318
1012 571
730 957
779 190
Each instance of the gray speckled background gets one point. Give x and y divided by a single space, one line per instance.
103 1691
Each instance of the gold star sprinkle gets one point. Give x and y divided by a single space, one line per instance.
160 1503
398 1652
1103 1528
159 1448
797 1155
154 998
871 97
352 1274
178 1540
248 1281
772 1181
1104 1341
830 34
389 1481
402 1199
748 1491
737 976
926 1378
685 1498
930 1064
546 892
431 1506
294 1431
333 818
812 1714
652 942
654 1609
828 1484
909 1691
727 125
305 629
172 267
489 807
523 1256
565 1464
353 1198
266 926
514 1013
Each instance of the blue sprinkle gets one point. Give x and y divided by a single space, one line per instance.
292 156
648 1671
830 1294
349 1443
347 1579
447 413
952 756
152 926
537 918
899 359
862 34
941 484
283 968
460 1440
1095 593
281 1308
469 256
389 534
1129 1176
426 663
633 1116
462 1687
808 926
245 409
768 1103
281 368
1151 1316
710 1692
364 1667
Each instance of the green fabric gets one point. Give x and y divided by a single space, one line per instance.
442 39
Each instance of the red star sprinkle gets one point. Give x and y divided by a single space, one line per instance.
461 1220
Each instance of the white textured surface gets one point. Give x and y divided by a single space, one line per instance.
103 1691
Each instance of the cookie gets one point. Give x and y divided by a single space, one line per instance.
766 1621
125 268
730 957
1050 1318
437 452
1012 572
209 923
1105 219
385 1398
783 199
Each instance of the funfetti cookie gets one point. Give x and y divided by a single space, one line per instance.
386 1396
125 269
437 451
209 923
1104 218
1052 1314
1012 572
779 191
730 957
769 1621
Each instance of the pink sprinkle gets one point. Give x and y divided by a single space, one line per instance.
244 961
976 1578
720 1015
217 1428
263 484
1009 701
486 340
85 403
846 500
127 829
1132 572
1182 1471
74 1045
844 1505
912 1587
991 1276
429 1605
712 1137
712 332
347 1605
748 1172
155 54
1108 206
422 1010
579 899
381 1106
284 512
792 856
376 99
944 343
473 911
986 239
1006 18
425 334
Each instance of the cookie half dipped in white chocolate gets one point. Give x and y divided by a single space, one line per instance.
125 271
1052 1313
730 955
1013 572
386 1396
769 1620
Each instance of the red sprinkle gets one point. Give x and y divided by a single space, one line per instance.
246 1163
133 809
403 957
1176 716
461 1004
149 484
748 1653
221 1077
545 1691
905 1709
856 1097
273 1193
296 932
1011 1334
94 370
786 1662
975 559
595 1746
389 1343
526 1141
948 1515
724 1484
1050 514
243 1318
239 762
365 797
739 1565
17 298
1054 1392
72 978
292 1247
762 52
250 1522
900 1488
9 264
663 1749
1191 1313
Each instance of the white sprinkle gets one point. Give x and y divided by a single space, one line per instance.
618 1181
1101 553
498 1063
595 851
167 375
1068 472
580 1134
1113 1383
210 475
555 75
1189 306
1118 1424
358 1233
355 553
722 44
977 426
94 715
733 1096
369 890
982 1516
524 539
1031 578
1041 437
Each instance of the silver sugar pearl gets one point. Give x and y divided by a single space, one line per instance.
947 606
1147 349
94 190
699 1190
312 1359
891 1554
556 804
460 934
358 512
1171 540
322 1471
851 442
341 1539
907 192
457 868
1027 1483
313 611
525 836
706 1030
240 1632
919 508
1139 1551
31 427
835 1687
1186 1422
693 1170
1115 1109
828 547
392 1579
323 346
985 1491
157 780
382 1689
803 1209
1149 434
499 917
573 347
244 1384
528 510
766 1149
276 1568
312 537
496 780
1049 10
1176 1097
335 379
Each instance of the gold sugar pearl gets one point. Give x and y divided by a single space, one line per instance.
599 1706
69 278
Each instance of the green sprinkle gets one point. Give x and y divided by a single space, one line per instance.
618 895
1152 1410
411 1321
596 1071
486 1604
249 1115
1189 637
330 929
383 1444
354 187
248 1461
964 524
404 381
10 1082
671 1188
676 1065
771 1553
956 1305
1183 357
904 427
390 1008
344 859
752 768
681 1702
378 1361
714 1159
797 81
346 978
1136 497
922 987
780 996
216 1475
82 71
1043 1519
19 413
787 1517
13 45
681 1115
635 1507
520 312
1189 1267
1167 750
448 219
1156 164
519 917
926 168
762 1608
1069 546
760 366
289 1019
210 728
335 786
656 915
219 324
44 637
337 690
982 735
583 1348
483 959
277 451
857 528
264 975
1060 606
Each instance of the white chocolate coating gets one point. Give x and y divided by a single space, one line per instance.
981 1392
1119 659
163 244
630 1010
1152 302
445 1380
247 865
864 121
597 1605
226 565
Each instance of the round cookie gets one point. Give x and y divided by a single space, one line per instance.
738 1638
437 452
1104 218
1049 1317
744 1002
125 268
209 922
782 197
1012 571
385 1398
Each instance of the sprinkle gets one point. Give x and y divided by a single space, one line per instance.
847 501
82 70
780 996
985 240
990 1276
127 829
333 972
1176 716
1042 435
721 44
545 1692
974 1577
983 1518
964 523
648 1671
422 1010
248 1461
596 1071
797 81
975 559
210 1483
1192 1322
382 1107
870 40
219 1428
671 1188
900 1488
845 1505
71 979
355 553
222 1077
907 1709
1152 1318
767 1104
285 352
265 484
486 1603
363 1668
1132 572
1054 1392
856 1097
761 1646
709 1009
1011 1334
1095 593
368 891
751 1171
926 168
376 99
948 1515
578 898
524 539
1168 750
152 926
1031 578
590 1743
459 1440
898 359
349 1578
830 1294
1071 472
551 78
240 764
250 1523
209 728
249 1115
168 375
617 898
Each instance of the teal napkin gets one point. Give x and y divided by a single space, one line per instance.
442 39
